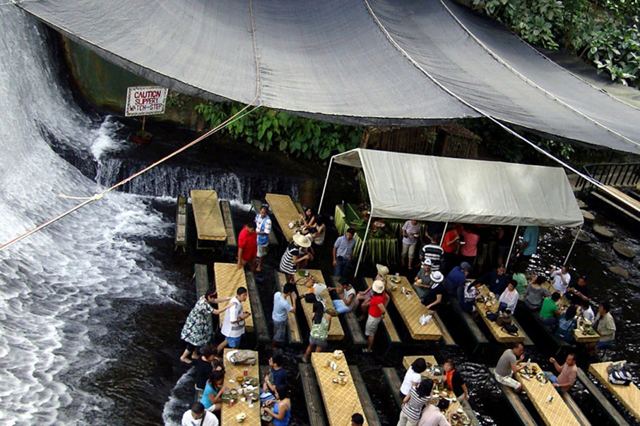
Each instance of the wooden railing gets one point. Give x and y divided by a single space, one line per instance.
614 174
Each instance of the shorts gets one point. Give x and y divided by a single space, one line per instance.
280 331
507 381
321 343
262 250
341 307
233 342
371 326
408 249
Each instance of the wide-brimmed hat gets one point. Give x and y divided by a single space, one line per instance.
436 277
301 240
383 271
426 262
378 286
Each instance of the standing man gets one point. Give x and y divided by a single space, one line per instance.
247 246
529 243
343 251
233 322
508 364
283 303
561 279
377 310
410 234
263 228
433 252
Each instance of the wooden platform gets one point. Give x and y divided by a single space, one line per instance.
312 397
201 275
228 278
340 401
257 314
285 211
225 207
353 327
256 205
516 404
629 396
602 400
497 332
336 332
582 419
181 224
476 333
532 319
555 412
387 323
228 413
208 216
295 337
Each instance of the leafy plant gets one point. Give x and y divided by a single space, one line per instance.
269 129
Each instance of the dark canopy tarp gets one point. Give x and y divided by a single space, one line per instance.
371 61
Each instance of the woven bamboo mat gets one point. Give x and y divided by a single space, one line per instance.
229 413
411 309
629 396
498 333
554 413
285 211
340 401
408 360
228 279
208 216
336 332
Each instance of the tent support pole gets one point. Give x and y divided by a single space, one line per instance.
444 231
513 242
324 188
566 259
364 242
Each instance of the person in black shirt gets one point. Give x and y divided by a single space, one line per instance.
454 381
578 290
204 366
436 293
277 374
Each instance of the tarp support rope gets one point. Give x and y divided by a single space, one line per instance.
324 188
566 259
248 109
364 242
486 114
513 242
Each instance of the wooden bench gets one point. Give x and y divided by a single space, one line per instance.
629 396
602 400
208 217
285 211
201 275
228 279
336 332
259 319
181 224
312 396
225 207
393 381
516 404
229 412
367 404
387 322
357 336
526 315
477 335
256 205
582 419
295 337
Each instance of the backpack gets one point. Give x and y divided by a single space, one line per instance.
243 357
510 329
618 375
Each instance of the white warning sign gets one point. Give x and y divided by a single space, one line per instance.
145 100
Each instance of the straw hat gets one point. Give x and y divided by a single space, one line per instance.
378 286
436 277
383 271
301 240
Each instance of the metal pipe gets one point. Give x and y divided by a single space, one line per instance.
364 242
513 241
324 188
444 232
566 259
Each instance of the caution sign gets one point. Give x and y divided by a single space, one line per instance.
145 100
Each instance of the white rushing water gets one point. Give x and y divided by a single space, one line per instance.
57 287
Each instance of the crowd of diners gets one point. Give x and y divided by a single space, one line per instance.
450 266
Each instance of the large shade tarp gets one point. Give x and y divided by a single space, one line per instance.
441 189
373 61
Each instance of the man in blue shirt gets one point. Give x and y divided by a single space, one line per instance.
343 251
456 278
263 229
529 243
496 280
283 303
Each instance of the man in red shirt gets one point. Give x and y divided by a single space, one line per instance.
377 310
451 245
247 246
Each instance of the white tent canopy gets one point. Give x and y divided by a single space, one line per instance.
408 186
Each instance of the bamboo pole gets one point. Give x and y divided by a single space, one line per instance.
566 259
513 241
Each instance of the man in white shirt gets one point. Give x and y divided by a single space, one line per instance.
233 322
561 279
198 416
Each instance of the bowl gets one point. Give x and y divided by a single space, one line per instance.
341 373
338 354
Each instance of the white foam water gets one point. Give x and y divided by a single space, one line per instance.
57 287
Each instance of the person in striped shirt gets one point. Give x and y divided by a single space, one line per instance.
414 402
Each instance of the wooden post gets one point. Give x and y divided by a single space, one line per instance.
144 120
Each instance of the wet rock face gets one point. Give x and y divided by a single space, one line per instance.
603 231
624 250
620 271
588 216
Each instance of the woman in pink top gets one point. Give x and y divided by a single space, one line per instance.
469 249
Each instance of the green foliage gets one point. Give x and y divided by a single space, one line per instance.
605 32
269 129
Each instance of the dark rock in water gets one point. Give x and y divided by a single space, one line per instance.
581 204
583 237
603 231
620 271
587 215
624 250
605 256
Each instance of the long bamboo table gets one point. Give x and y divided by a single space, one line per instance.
340 401
336 332
252 411
208 216
285 212
555 412
411 309
629 396
498 333
228 278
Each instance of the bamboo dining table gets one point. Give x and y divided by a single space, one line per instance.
285 211
250 409
410 308
498 333
336 332
228 278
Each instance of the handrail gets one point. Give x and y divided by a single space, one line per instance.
614 174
